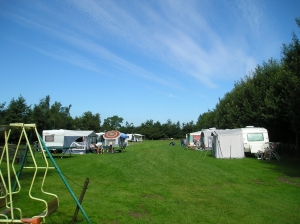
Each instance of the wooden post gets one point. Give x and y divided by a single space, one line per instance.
80 200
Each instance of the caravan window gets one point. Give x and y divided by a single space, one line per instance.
255 137
49 138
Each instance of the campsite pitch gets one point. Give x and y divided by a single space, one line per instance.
153 182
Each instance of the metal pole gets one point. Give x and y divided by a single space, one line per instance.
8 175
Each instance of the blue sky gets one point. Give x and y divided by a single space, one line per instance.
137 59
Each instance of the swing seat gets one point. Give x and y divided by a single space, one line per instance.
5 212
3 205
52 206
34 220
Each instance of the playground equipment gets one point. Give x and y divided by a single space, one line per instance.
6 186
6 198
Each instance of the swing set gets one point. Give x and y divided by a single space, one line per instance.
8 175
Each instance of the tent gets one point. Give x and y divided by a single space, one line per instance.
228 144
198 136
114 138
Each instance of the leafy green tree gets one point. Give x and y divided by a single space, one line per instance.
17 111
145 128
2 113
206 120
41 113
260 99
291 63
151 130
171 130
53 116
291 53
128 128
156 131
178 134
87 121
58 116
188 128
112 123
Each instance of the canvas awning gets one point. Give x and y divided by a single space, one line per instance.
71 136
228 144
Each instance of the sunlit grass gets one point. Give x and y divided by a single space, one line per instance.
155 183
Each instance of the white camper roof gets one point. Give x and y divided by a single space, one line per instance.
68 136
69 132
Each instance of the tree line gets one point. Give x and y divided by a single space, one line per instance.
269 96
49 116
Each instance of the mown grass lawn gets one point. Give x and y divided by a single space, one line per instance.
153 182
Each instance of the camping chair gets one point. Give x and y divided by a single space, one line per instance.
259 154
182 143
273 151
190 146
93 147
204 150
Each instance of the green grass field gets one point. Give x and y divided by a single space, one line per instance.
153 182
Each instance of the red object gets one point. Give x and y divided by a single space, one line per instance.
196 137
35 220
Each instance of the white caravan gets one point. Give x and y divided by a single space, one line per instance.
79 140
233 143
135 137
255 139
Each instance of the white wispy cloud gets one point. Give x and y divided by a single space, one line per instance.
88 48
180 35
163 93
